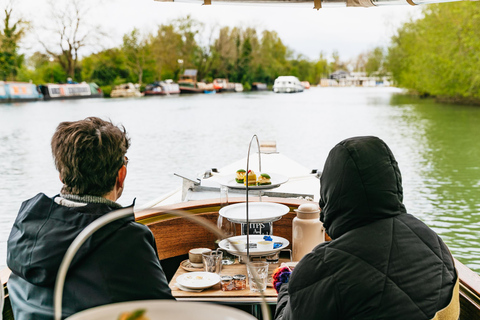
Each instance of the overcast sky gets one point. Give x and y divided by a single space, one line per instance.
350 31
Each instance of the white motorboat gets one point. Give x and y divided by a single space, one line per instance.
287 84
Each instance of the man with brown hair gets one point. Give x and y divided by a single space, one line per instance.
118 263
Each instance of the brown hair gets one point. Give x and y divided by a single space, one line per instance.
88 154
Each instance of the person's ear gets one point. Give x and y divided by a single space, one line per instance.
122 174
60 177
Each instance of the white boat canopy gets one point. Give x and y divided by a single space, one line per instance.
318 4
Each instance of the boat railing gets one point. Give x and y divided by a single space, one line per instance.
469 292
259 193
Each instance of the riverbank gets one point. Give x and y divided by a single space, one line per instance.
464 101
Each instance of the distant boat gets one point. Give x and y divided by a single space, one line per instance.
219 83
188 82
238 87
70 90
305 84
19 91
259 86
287 84
208 88
126 90
162 88
222 85
189 87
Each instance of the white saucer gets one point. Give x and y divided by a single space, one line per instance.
196 265
254 238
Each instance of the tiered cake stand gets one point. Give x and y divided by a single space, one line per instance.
257 212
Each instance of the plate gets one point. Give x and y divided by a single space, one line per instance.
257 212
276 179
187 266
198 280
164 309
254 238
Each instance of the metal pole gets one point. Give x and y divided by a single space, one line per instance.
247 189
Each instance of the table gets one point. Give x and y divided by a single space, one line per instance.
215 294
235 297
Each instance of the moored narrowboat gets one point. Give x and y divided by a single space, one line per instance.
82 90
18 92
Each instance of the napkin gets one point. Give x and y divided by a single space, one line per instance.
179 286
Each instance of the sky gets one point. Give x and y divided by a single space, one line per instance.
350 31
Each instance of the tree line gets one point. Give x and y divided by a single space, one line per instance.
438 54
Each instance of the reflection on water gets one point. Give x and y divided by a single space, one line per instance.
448 185
436 146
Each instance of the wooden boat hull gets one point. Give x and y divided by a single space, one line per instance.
190 90
151 93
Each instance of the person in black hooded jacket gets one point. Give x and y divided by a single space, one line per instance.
382 262
118 263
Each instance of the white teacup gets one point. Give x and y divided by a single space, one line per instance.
238 245
265 245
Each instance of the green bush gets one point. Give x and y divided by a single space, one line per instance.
106 90
437 55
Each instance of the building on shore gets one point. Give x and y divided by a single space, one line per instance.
328 83
342 78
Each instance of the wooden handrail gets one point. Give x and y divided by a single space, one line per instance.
210 205
469 292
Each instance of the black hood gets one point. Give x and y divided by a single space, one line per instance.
44 230
360 184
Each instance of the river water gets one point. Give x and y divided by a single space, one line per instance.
437 146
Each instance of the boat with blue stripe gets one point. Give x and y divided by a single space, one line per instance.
19 91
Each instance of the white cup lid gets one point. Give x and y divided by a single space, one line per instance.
308 208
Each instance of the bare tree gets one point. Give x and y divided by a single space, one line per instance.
71 33
359 62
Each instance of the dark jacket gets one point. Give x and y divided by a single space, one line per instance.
118 263
382 263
